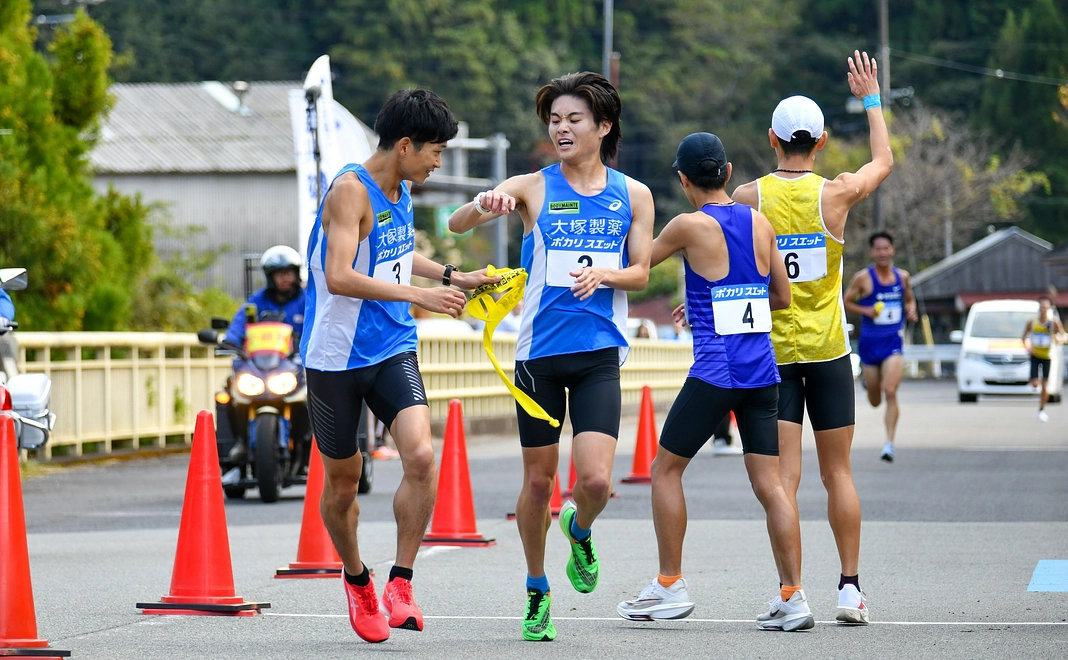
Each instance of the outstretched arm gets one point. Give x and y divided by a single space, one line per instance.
863 77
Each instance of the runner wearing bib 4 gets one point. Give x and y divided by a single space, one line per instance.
734 278
587 236
809 215
882 336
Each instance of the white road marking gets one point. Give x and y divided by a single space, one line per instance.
746 621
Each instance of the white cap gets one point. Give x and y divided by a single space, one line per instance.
797 113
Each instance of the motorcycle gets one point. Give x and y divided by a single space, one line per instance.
26 398
263 409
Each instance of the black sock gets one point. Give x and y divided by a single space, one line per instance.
849 579
398 572
361 580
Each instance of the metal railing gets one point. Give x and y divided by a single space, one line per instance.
126 391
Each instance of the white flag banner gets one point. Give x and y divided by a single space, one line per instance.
342 140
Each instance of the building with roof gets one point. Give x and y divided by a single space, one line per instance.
1009 263
221 165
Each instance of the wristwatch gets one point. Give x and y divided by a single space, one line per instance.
446 279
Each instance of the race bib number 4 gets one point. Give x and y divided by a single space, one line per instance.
805 256
741 308
890 314
559 264
395 271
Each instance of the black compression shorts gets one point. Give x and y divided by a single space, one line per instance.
824 388
1037 363
335 399
592 382
700 407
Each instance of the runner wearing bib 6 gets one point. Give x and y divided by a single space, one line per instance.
811 346
734 278
882 296
587 237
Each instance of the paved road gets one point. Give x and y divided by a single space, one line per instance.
952 532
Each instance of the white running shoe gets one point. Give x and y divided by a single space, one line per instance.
721 448
852 606
789 616
888 452
656 602
1042 416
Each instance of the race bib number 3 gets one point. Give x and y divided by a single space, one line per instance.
395 271
741 308
559 264
805 256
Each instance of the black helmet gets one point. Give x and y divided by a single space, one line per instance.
279 258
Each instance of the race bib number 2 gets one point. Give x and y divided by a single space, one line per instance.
1041 339
805 256
741 309
559 264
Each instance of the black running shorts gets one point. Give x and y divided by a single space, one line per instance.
1037 363
335 399
825 388
700 407
592 383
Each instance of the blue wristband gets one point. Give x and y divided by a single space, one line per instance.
872 101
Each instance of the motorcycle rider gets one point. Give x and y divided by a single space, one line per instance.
283 296
7 311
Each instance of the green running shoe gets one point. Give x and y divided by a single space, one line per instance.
538 624
583 569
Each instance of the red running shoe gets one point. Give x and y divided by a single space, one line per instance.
400 607
364 615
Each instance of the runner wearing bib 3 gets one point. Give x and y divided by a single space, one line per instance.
1038 337
882 295
734 278
587 236
809 214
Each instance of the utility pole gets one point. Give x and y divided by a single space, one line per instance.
606 54
500 145
884 65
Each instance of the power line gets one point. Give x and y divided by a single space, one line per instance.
982 70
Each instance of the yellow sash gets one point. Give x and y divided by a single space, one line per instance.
482 306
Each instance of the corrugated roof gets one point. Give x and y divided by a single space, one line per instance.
976 248
184 127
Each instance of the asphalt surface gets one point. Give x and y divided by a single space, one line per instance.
952 532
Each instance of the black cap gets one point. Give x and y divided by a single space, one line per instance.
701 154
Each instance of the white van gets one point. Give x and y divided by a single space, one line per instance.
993 359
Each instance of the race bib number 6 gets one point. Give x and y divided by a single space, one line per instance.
741 309
559 264
805 256
395 271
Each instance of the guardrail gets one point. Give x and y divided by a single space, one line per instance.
915 356
127 391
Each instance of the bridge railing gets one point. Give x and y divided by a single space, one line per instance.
115 392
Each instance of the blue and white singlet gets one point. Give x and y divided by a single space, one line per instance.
574 231
340 332
731 317
881 337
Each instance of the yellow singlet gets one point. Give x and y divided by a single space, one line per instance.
1041 338
813 327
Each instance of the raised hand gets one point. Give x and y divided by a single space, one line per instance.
863 75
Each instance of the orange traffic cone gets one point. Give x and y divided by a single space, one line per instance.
454 514
571 478
645 448
203 579
316 555
18 619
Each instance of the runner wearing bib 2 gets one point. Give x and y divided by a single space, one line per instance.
1038 337
809 214
734 278
882 296
587 236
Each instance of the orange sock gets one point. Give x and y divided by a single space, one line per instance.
787 592
667 580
